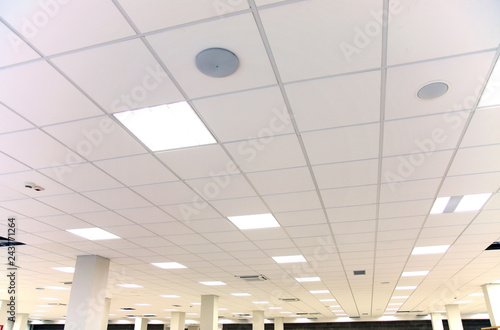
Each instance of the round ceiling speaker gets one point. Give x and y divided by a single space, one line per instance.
217 62
432 90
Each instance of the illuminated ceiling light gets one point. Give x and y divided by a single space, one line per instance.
213 283
168 265
93 234
241 294
289 259
307 279
319 291
166 127
69 270
415 273
436 249
411 287
466 203
130 286
170 296
254 221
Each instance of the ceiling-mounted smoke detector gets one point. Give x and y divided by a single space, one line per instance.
217 62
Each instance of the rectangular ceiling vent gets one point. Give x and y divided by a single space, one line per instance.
494 246
149 315
253 278
290 299
359 272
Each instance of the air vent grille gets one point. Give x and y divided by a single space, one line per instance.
253 278
290 299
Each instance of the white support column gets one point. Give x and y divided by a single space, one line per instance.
209 317
454 318
88 293
140 323
105 315
257 320
492 298
3 312
278 323
177 320
437 321
21 322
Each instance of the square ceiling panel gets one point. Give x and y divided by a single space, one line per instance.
155 15
14 49
129 76
318 38
409 40
45 85
254 67
63 26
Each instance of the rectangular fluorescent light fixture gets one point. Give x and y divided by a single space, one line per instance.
462 301
241 294
319 291
143 304
411 287
69 270
254 221
477 294
168 265
166 127
415 273
289 259
213 283
93 234
260 302
307 279
436 249
130 286
440 205
330 299
472 202
275 308
466 203
286 312
195 303
170 296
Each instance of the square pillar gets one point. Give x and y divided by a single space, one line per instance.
437 321
492 299
454 318
258 320
209 317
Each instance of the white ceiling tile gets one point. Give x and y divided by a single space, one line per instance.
307 230
153 15
168 229
44 151
145 215
103 218
349 196
254 70
346 174
470 184
400 223
224 237
7 194
422 134
265 234
246 115
95 139
52 32
307 200
17 181
63 222
355 100
405 209
409 40
30 208
15 50
199 162
267 154
81 177
191 211
129 231
72 203
137 170
415 166
464 85
352 238
476 160
240 206
167 193
409 234
319 38
42 83
449 219
11 121
352 213
441 231
483 129
282 180
128 78
342 144
10 165
343 228
118 198
408 190
297 218
229 186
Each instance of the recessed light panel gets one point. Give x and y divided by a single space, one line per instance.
260 302
254 221
69 270
213 283
93 234
241 294
130 286
319 291
289 259
307 279
436 249
440 205
415 273
170 296
413 287
472 202
168 265
166 127
326 300
400 297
